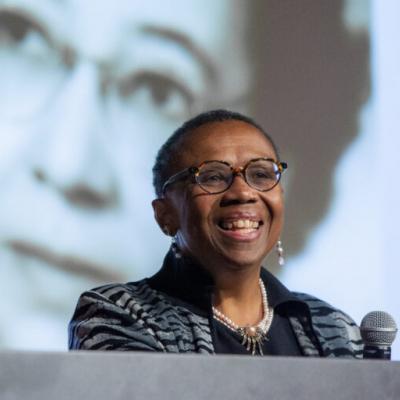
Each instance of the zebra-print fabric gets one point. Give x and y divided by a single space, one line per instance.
337 334
137 317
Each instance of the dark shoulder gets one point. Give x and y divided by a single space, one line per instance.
337 332
131 298
134 316
320 308
114 293
115 316
120 292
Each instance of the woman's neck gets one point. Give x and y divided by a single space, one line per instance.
237 295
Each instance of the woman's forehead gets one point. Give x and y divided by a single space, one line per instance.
233 141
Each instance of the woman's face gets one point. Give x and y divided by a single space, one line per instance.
90 90
207 224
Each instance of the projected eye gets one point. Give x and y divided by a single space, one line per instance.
13 28
162 93
22 34
30 66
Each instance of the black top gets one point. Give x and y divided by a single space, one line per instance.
281 339
191 286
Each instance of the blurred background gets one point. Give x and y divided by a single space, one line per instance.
90 90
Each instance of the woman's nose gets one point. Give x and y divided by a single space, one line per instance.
73 156
239 191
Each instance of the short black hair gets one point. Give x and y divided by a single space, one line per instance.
168 151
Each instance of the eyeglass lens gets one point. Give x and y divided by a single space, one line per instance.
216 176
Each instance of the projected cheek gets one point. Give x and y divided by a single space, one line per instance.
30 66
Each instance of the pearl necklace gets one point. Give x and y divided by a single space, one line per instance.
253 336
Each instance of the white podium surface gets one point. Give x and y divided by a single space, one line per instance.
122 375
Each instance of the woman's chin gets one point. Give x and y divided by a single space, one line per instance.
241 259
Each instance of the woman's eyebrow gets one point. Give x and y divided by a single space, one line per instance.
184 41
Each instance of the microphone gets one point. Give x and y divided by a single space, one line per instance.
378 330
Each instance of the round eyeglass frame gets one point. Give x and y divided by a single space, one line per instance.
195 170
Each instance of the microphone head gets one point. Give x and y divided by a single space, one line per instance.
378 328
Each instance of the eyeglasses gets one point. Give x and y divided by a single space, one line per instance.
215 177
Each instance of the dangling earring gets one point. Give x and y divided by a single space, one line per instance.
174 245
175 248
279 250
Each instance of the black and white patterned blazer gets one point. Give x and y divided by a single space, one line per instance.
171 312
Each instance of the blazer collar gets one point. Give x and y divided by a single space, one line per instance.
185 280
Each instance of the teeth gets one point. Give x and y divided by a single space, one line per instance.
244 224
246 230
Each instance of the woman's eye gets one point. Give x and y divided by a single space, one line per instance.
212 177
215 178
263 174
13 28
163 93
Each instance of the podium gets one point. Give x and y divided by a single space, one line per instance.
127 375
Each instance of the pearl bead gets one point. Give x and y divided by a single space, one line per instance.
263 325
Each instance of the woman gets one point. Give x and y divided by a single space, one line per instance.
219 198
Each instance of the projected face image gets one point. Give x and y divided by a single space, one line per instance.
89 91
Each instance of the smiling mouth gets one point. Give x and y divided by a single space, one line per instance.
242 225
71 264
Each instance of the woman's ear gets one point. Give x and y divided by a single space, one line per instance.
165 215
